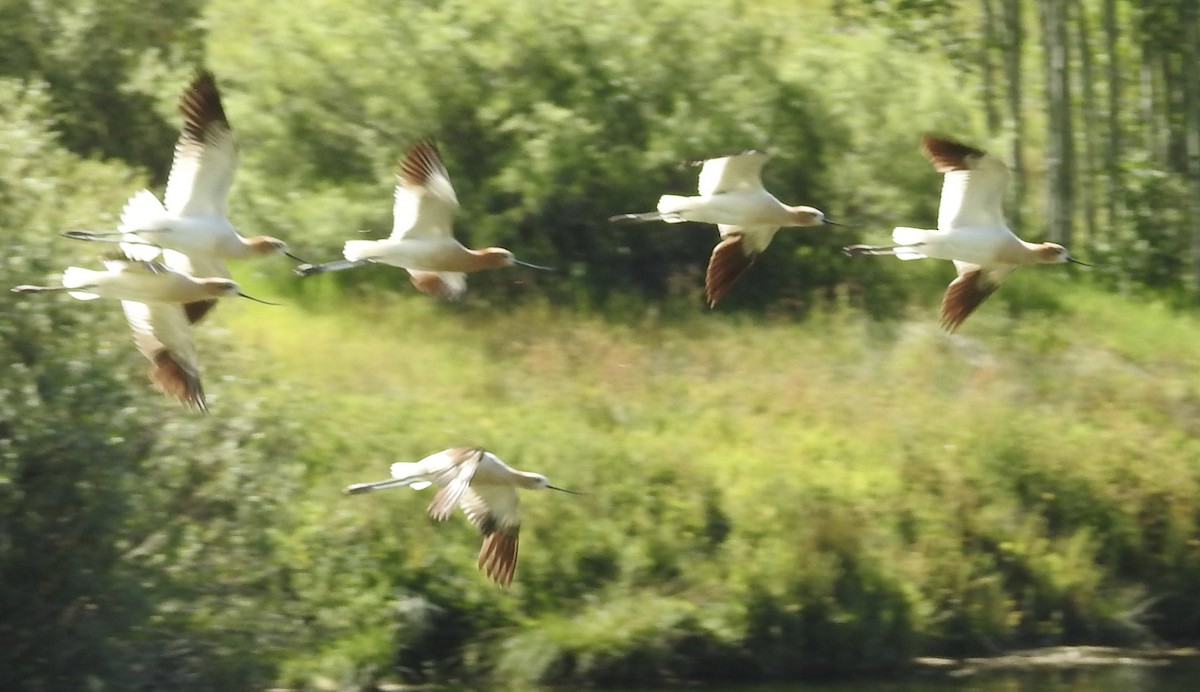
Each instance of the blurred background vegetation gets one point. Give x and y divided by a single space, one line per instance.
811 480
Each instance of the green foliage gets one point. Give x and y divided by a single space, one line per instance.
104 63
137 546
766 498
837 496
553 118
1151 246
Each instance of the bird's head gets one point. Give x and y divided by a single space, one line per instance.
228 288
498 257
267 246
222 288
811 216
1053 253
536 481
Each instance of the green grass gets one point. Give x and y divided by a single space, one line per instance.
796 496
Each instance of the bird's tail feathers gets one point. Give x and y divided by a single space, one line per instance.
358 250
410 473
903 235
78 277
143 211
671 207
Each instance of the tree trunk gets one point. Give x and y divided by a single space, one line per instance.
1112 155
1059 149
1191 78
1148 113
986 68
1087 163
1013 39
1173 108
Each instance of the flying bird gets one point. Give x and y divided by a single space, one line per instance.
733 197
160 304
422 240
971 230
486 490
191 228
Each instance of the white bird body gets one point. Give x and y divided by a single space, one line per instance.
971 230
149 226
192 229
483 486
755 207
747 216
142 282
422 239
420 254
982 246
160 305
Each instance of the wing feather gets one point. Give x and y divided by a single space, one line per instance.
162 334
452 471
973 185
205 154
736 253
443 285
493 509
425 202
967 292
728 173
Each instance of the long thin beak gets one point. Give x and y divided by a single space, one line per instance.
533 266
288 254
257 300
1072 260
833 223
564 490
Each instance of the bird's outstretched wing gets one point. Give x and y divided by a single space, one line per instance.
425 202
728 173
973 286
205 155
738 250
493 510
161 332
452 471
443 285
972 187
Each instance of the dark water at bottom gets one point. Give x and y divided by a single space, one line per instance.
1183 676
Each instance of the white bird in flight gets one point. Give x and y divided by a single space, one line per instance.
192 229
733 197
486 490
971 230
422 239
157 301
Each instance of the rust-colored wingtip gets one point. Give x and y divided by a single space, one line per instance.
951 321
963 296
201 104
176 381
947 155
728 263
421 159
498 556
